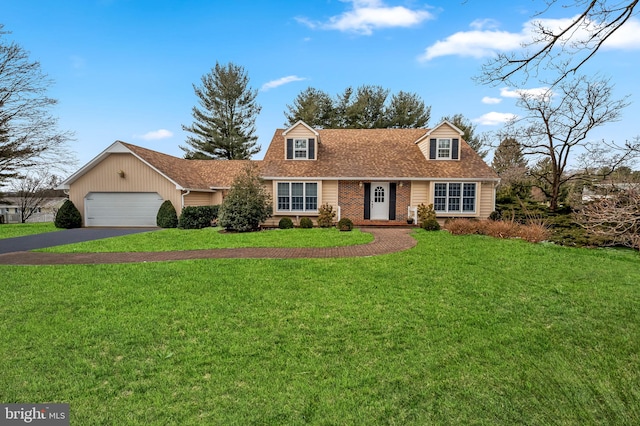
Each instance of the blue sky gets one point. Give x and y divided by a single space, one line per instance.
124 69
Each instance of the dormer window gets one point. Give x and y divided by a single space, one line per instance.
444 148
301 149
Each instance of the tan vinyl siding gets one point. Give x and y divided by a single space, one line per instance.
202 199
487 199
138 177
441 132
330 193
420 191
300 131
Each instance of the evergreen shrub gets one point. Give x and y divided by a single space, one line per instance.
68 216
305 222
285 223
197 217
345 224
167 216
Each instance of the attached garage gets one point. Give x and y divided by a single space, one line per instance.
121 208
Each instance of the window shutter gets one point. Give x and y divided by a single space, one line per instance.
455 146
367 201
432 149
312 149
289 149
392 201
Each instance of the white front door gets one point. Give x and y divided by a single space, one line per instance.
379 200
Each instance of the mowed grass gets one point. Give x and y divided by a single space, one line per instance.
459 330
211 238
11 230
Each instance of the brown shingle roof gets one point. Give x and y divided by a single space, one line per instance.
372 153
192 174
344 153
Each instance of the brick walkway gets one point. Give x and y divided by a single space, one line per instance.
386 240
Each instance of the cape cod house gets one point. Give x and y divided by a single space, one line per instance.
372 176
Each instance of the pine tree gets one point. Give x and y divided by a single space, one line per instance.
314 107
468 128
508 155
224 124
407 111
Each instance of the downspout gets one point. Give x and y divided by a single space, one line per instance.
184 194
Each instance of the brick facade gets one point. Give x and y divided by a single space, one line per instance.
351 201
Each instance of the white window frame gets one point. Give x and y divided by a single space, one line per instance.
450 198
447 149
289 196
304 150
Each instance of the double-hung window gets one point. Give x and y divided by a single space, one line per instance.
300 148
454 197
444 148
298 196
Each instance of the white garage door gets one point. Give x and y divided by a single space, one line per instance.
121 208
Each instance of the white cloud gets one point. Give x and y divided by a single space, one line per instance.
281 81
485 40
491 101
494 118
626 38
537 92
475 44
155 135
369 15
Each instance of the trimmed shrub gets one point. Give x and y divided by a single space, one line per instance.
345 224
199 217
247 204
495 215
285 223
68 216
167 216
305 222
326 216
427 218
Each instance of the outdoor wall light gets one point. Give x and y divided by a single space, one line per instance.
360 184
121 173
401 184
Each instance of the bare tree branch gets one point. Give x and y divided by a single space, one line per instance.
564 50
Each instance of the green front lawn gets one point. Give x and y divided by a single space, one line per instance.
459 330
212 238
11 230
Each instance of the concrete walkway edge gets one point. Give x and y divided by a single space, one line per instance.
386 240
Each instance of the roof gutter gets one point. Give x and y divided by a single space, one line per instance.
183 195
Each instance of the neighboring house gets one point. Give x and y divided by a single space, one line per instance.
372 176
607 190
10 210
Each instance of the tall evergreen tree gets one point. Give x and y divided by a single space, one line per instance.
407 110
314 107
367 107
476 142
508 155
511 166
224 124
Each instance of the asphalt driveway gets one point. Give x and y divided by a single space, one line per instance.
67 236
